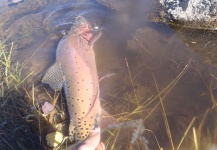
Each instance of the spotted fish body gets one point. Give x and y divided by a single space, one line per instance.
92 142
75 71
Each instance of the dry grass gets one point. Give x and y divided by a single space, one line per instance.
128 123
198 134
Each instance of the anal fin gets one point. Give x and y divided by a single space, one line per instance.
54 77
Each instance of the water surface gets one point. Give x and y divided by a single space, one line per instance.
152 63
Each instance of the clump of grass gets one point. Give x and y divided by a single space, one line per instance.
25 33
10 73
15 130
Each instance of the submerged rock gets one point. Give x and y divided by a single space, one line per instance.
118 5
192 13
54 139
47 108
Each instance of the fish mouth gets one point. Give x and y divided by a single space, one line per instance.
82 28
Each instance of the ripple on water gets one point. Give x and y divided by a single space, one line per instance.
63 18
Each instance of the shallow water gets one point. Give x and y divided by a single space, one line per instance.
147 59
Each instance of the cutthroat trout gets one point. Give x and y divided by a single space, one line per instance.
75 71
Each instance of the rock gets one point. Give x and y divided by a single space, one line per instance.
118 5
192 13
54 139
47 108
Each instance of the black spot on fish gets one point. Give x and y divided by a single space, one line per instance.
82 136
87 89
79 125
75 113
78 89
91 117
83 112
89 98
82 100
79 122
82 79
87 128
77 99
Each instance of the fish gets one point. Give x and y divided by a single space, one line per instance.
75 71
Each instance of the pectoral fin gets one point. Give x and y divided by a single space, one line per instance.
54 77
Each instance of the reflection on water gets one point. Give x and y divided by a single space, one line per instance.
159 79
202 41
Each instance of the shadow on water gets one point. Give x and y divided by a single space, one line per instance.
159 79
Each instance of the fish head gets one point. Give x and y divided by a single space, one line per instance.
92 142
83 128
82 28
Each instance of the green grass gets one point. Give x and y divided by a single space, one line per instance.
15 131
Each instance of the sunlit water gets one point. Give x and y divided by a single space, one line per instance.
147 59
